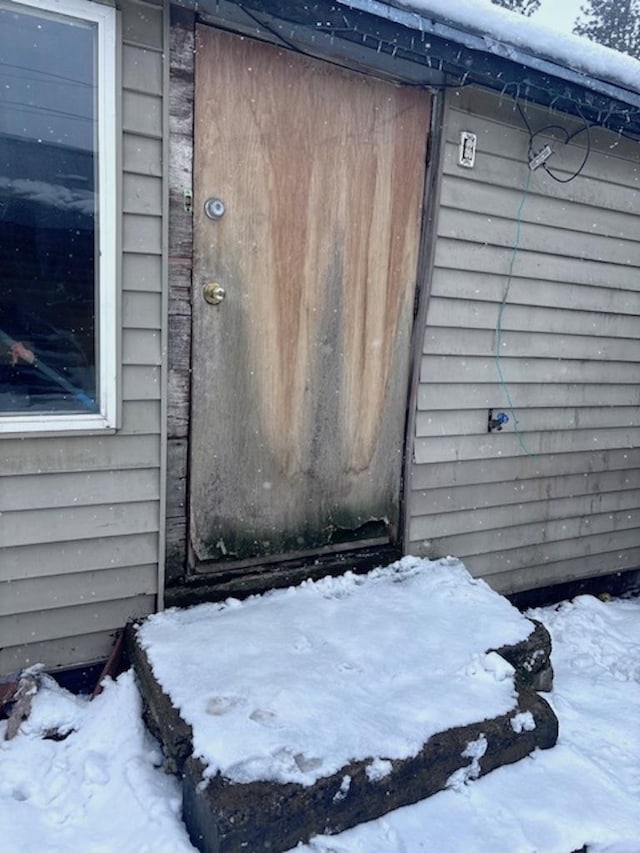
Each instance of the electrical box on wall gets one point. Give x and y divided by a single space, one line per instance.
467 149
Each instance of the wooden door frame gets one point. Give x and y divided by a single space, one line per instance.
181 142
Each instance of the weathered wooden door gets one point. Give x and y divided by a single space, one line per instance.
300 374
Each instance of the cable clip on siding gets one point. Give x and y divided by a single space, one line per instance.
496 424
540 158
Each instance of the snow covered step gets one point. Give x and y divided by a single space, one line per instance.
312 709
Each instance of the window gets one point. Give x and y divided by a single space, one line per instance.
57 216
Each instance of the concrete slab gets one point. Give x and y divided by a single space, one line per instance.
227 816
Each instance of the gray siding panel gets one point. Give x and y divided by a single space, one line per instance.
551 553
443 341
491 542
142 194
33 491
485 257
434 395
142 114
73 589
472 421
461 193
80 514
30 527
561 499
141 417
141 383
142 69
576 569
142 234
499 517
141 346
42 625
518 370
484 315
497 470
489 288
142 272
50 559
143 155
142 24
488 495
75 650
49 455
493 230
141 310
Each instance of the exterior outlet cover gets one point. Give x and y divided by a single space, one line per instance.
467 149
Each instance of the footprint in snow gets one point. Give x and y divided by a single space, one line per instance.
302 645
218 706
266 718
348 668
289 761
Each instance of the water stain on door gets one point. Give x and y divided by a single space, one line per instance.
300 373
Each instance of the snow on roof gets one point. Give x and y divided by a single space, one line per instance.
500 27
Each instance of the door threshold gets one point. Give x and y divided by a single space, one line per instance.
233 566
219 585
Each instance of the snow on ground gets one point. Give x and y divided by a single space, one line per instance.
375 644
100 791
97 791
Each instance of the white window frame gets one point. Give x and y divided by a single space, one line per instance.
106 262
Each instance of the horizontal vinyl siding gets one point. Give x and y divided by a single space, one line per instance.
79 648
52 559
562 499
80 515
33 492
81 453
81 589
54 624
82 522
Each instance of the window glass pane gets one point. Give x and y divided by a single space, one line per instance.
48 213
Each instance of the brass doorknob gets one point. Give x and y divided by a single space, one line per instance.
213 293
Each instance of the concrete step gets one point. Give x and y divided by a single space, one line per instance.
224 815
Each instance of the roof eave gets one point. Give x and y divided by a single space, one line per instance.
484 44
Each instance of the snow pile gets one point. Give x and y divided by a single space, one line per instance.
500 28
293 685
98 789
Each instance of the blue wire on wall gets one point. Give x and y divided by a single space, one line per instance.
568 137
514 253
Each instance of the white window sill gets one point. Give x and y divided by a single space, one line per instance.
21 425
